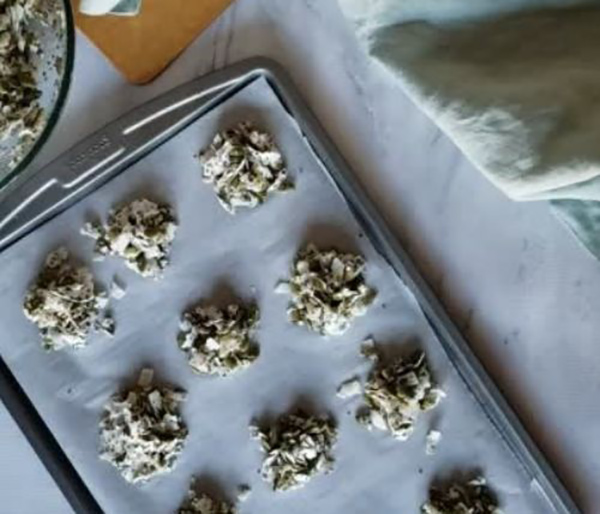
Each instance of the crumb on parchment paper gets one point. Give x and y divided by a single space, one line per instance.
349 388
432 442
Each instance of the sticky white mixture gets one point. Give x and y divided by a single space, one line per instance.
297 447
396 393
202 503
218 341
65 304
244 166
328 290
141 431
471 497
140 232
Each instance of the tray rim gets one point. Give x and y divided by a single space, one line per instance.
208 92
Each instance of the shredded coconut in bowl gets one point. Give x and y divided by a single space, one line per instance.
32 64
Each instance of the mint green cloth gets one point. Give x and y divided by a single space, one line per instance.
515 84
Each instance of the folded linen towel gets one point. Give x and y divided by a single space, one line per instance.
514 84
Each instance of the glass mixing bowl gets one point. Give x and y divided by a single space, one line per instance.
53 66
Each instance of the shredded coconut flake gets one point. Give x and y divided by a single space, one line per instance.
432 442
244 492
349 389
117 289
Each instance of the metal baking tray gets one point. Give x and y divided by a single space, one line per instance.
24 206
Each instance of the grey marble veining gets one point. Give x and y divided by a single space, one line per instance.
520 286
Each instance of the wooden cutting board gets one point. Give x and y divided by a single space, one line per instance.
142 46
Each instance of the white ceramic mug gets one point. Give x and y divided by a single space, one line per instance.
103 7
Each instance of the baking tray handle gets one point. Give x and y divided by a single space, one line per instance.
26 204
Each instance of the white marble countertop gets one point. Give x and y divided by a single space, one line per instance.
518 284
